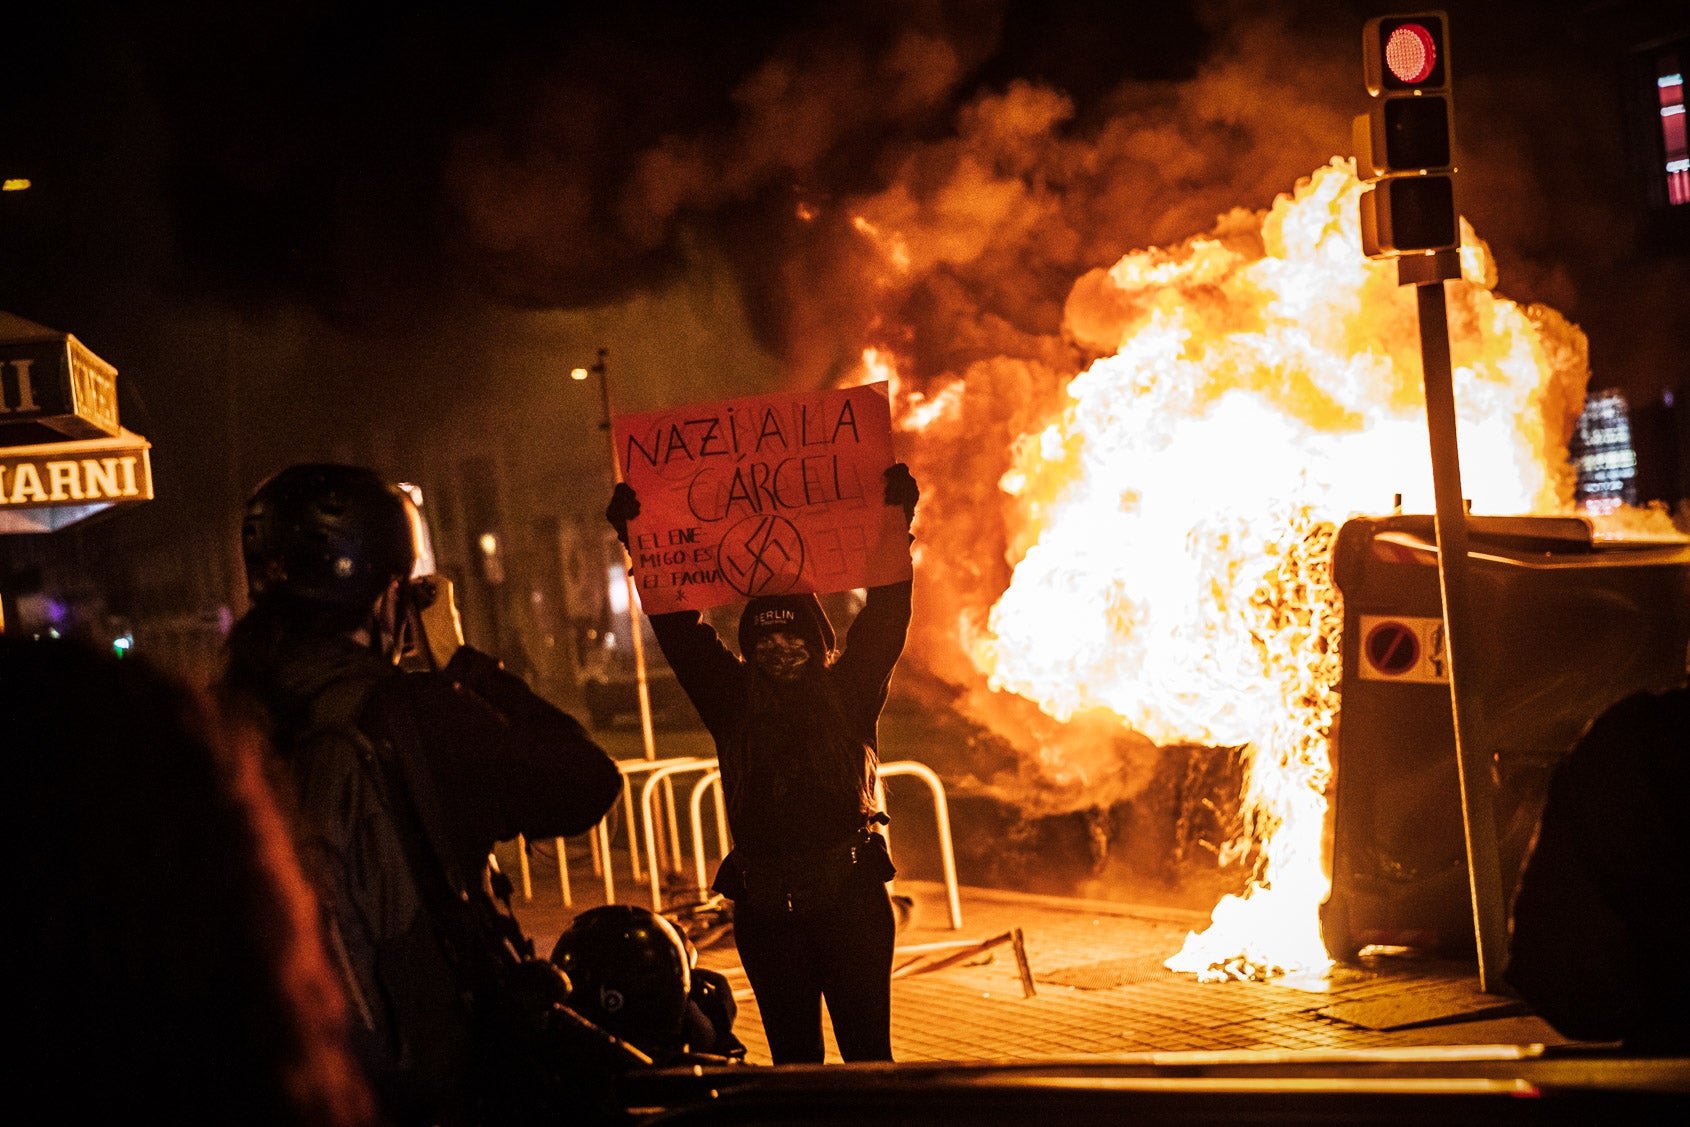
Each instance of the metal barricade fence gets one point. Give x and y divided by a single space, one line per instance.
663 769
648 820
941 817
713 778
710 779
525 872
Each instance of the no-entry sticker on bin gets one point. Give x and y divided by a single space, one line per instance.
1403 648
762 495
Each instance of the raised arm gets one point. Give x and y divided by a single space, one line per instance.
558 780
876 638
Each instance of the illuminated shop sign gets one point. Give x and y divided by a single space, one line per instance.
52 389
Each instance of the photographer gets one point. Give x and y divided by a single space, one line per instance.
400 783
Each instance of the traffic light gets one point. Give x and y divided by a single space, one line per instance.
1403 146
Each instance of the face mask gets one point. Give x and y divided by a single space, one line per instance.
781 656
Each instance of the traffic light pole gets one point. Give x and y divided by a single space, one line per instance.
1478 805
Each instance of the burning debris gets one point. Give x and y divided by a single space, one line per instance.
1167 515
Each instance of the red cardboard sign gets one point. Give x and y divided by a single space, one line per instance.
762 495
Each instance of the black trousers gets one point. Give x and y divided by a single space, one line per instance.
841 952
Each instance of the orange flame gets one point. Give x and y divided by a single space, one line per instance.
1169 526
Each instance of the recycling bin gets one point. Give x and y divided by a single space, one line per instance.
1563 624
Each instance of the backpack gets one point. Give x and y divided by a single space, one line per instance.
454 1018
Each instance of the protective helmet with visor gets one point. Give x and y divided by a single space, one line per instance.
328 534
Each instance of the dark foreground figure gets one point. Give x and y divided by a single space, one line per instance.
1603 912
399 784
796 732
636 975
166 960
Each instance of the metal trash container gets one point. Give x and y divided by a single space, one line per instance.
1563 625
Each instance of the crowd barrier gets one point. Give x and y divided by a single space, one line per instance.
525 872
643 835
941 817
663 769
712 780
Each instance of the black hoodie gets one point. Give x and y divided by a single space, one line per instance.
775 762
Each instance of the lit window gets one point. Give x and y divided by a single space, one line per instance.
1669 82
1603 454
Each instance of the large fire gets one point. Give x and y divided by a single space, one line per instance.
1168 514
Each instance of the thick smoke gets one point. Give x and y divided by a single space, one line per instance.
590 177
887 174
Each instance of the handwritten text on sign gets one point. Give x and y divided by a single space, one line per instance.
761 496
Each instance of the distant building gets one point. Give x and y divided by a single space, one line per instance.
1654 98
1603 454
1669 84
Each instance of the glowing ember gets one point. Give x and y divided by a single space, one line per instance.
1169 525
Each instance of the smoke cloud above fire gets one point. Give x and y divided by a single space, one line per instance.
875 188
929 177
932 177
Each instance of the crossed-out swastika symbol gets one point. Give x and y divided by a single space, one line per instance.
762 555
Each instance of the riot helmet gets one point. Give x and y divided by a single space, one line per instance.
630 974
329 534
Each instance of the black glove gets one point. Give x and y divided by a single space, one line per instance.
624 506
901 489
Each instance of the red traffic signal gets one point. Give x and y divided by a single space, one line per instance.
1406 53
1404 146
1411 54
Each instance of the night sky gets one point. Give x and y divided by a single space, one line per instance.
292 225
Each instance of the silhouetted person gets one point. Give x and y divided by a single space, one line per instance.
796 732
401 784
1603 911
166 966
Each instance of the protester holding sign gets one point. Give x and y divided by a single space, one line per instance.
796 731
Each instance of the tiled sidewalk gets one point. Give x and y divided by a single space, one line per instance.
1101 990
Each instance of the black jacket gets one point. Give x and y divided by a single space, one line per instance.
471 756
769 771
494 760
